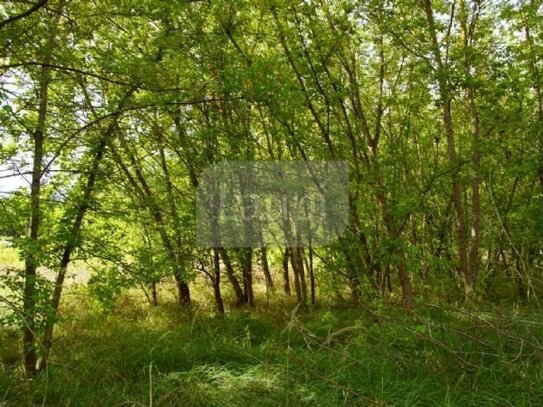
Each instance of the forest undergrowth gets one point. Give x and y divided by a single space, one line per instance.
280 354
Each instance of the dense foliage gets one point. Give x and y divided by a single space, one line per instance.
113 110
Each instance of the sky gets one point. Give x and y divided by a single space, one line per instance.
9 180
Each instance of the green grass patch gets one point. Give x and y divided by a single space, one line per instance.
9 256
325 357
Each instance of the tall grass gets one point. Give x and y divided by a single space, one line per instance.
162 356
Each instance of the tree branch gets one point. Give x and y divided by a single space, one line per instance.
24 14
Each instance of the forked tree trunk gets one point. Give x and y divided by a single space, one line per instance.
300 284
234 282
293 251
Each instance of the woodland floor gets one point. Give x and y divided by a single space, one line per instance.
137 355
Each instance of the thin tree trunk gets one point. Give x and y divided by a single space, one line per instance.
309 266
461 230
183 289
295 271
536 86
216 236
301 270
286 278
266 267
30 260
475 148
147 201
149 242
73 238
300 285
236 286
372 160
293 250
247 256
396 252
71 243
249 231
217 282
154 293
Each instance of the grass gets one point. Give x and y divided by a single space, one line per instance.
9 256
162 356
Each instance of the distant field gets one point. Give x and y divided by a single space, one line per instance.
9 256
78 271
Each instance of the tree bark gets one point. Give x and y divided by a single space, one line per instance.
31 259
266 267
293 251
286 278
309 266
147 200
234 282
536 86
467 34
71 243
247 266
457 187
217 282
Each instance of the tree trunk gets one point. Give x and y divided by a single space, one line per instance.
396 252
310 271
217 282
234 282
183 288
30 256
154 293
249 296
461 230
475 147
536 86
266 267
147 200
300 285
286 278
249 231
72 242
293 251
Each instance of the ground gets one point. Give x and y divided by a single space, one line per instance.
129 353
162 356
